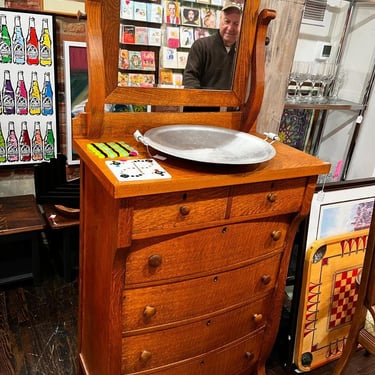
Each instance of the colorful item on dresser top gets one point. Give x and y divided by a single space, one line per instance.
111 150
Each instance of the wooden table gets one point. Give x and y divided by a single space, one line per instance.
20 220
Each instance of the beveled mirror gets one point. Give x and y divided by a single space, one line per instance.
110 26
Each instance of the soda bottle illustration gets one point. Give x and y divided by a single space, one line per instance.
5 42
8 95
45 45
3 155
25 144
37 143
12 144
49 142
22 106
47 96
32 44
18 42
34 96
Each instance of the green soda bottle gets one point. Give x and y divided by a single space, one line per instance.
49 143
5 41
3 156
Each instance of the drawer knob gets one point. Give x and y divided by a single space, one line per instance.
276 235
145 356
257 318
154 260
271 197
149 311
266 279
249 355
184 210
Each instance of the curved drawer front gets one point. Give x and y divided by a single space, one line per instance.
231 359
175 302
159 348
177 210
269 198
205 251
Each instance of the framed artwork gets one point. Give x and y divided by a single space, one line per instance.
28 119
68 7
76 90
340 211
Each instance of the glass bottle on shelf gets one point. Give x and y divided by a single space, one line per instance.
34 96
12 144
18 42
25 143
21 96
8 95
37 143
47 96
45 45
49 142
5 42
32 44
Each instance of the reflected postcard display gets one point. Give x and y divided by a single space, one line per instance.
155 39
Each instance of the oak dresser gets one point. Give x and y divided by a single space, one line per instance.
186 276
183 276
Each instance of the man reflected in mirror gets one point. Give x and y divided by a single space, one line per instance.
211 60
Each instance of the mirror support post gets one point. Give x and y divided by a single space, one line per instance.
253 103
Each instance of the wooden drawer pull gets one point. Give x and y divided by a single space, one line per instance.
276 235
266 279
145 356
149 311
271 197
154 260
184 210
257 318
249 355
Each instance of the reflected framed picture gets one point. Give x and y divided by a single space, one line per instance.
67 7
76 90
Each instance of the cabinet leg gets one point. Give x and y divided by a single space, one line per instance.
261 369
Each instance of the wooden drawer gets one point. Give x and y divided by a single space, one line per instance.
159 348
228 360
195 253
269 198
175 302
164 212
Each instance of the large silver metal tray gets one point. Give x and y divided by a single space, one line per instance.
209 144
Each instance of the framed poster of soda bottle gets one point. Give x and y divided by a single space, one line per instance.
28 118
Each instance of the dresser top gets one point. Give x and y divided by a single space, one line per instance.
288 163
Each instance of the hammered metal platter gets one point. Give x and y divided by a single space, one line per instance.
209 144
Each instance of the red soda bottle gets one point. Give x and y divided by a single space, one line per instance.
32 44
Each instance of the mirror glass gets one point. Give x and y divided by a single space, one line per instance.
178 44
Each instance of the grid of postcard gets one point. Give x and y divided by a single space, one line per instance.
155 38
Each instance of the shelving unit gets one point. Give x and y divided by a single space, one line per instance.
342 111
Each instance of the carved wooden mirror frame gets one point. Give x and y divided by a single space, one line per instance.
103 24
